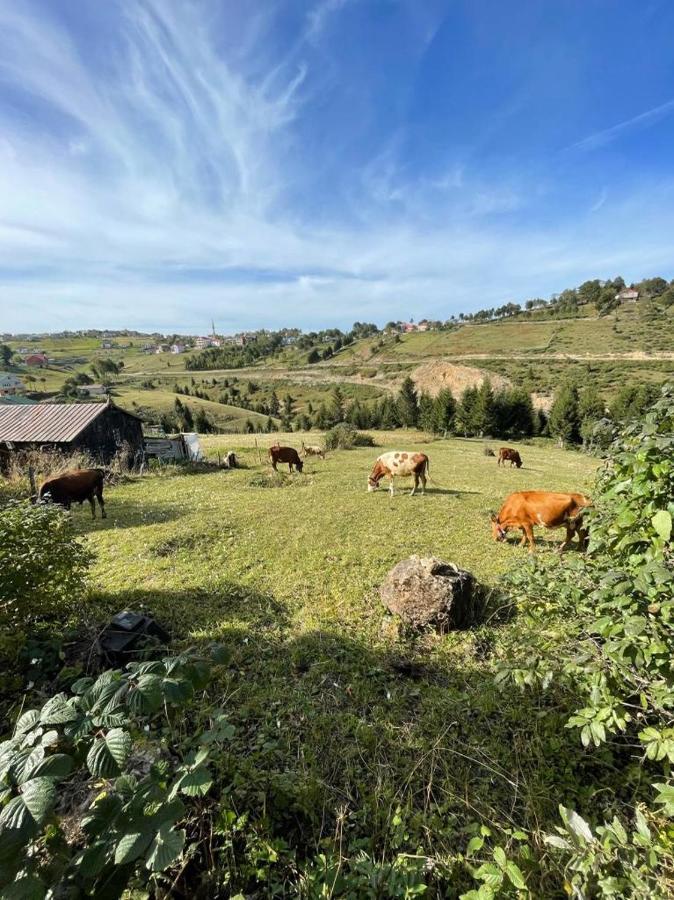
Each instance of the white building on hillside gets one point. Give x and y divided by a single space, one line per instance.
11 383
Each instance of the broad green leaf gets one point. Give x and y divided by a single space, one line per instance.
39 795
108 755
15 815
662 522
25 763
58 711
28 887
146 695
475 843
27 721
59 765
490 874
196 783
579 826
81 685
515 875
131 846
94 858
500 857
165 848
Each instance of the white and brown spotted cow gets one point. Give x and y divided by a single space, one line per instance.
397 464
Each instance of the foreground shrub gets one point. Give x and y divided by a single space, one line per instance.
345 437
96 787
43 565
615 613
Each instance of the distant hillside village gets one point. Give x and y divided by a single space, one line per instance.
23 368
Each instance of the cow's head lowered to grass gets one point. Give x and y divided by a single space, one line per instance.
497 530
375 476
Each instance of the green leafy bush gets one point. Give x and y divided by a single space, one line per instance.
345 437
95 787
615 610
43 570
43 564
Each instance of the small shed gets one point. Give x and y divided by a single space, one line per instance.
102 429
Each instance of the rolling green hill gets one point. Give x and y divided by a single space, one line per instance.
635 343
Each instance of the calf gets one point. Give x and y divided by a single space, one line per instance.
507 453
288 455
312 451
397 464
525 509
76 486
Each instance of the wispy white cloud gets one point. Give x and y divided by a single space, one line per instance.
319 16
607 135
160 189
600 201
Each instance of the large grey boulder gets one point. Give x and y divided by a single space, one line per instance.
430 592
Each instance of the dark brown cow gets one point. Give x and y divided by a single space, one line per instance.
398 464
525 509
76 486
507 453
285 455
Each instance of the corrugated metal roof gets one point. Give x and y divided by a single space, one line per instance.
56 423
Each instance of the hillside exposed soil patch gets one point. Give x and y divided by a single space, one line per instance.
433 377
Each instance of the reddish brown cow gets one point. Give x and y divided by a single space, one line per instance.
285 455
507 453
76 486
525 509
396 464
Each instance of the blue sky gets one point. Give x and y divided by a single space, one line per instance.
316 163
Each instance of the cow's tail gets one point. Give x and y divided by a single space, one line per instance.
427 470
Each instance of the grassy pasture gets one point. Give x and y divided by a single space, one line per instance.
319 544
351 737
333 743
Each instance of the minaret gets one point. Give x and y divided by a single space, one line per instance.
213 327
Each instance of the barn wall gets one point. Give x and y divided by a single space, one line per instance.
108 433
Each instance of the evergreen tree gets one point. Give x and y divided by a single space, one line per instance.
322 418
465 417
202 423
167 423
388 414
513 414
407 404
564 421
248 427
484 411
288 403
590 405
313 357
270 425
427 413
274 405
337 406
632 401
444 411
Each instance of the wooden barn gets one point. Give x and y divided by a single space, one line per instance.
101 429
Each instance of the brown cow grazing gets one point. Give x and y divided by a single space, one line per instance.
288 455
525 509
76 486
312 451
507 453
398 464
